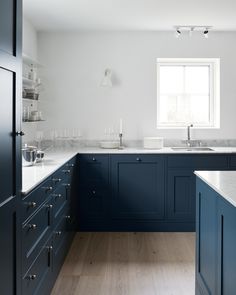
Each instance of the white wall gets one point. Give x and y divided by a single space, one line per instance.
74 65
30 47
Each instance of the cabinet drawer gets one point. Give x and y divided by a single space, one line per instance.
32 201
36 278
35 232
59 199
198 161
93 169
60 231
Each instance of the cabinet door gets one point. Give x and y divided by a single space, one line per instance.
227 245
181 195
10 145
206 241
137 186
8 246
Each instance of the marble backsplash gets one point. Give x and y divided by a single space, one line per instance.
132 143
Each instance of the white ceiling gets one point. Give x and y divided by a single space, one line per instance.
71 15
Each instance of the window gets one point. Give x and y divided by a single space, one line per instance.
188 92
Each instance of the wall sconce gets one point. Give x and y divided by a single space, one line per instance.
106 81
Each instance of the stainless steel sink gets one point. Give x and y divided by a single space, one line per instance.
192 149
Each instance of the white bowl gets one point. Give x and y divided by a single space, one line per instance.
109 144
153 142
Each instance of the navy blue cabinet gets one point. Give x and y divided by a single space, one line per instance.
215 243
10 143
181 186
226 283
48 226
137 183
181 198
206 239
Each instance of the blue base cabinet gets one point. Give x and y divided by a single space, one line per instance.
137 185
141 192
215 243
48 227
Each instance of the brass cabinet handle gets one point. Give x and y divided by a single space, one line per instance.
58 233
32 277
32 226
32 204
56 179
70 165
57 195
66 171
68 217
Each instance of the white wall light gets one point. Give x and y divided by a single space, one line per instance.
106 80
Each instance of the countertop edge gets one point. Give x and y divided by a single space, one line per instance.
222 193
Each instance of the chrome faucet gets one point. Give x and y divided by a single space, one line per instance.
189 135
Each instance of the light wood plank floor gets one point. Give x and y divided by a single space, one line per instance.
128 264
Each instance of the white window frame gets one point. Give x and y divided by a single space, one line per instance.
214 64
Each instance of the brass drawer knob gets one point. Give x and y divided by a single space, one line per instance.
32 277
32 226
32 204
58 233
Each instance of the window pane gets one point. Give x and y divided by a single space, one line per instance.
184 94
197 79
171 79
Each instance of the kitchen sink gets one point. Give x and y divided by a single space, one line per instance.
192 149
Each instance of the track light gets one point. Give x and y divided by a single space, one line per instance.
206 33
177 33
179 30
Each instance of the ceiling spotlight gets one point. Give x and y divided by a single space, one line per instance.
177 33
206 33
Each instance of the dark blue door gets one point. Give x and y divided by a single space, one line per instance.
181 198
10 165
206 242
226 247
137 186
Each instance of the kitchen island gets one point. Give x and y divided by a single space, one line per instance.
216 232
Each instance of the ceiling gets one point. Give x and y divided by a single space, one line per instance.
108 15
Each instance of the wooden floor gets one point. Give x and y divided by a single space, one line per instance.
128 264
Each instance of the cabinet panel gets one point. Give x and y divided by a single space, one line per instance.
7 28
137 187
93 202
35 232
8 247
7 168
93 169
35 281
181 195
206 242
227 245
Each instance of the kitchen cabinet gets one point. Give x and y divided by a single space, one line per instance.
47 229
206 239
226 255
10 143
181 186
215 243
137 183
181 195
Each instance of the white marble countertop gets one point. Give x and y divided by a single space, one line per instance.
223 182
34 175
54 159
